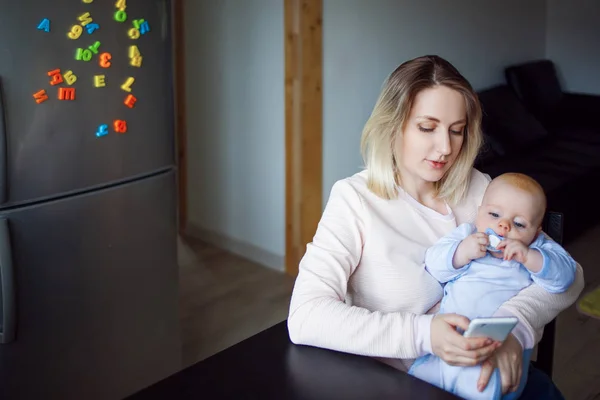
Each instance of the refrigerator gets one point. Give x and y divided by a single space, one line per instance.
88 260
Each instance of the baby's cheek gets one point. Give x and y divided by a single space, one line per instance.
481 224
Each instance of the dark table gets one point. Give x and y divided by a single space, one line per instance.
269 366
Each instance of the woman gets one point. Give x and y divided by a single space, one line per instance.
362 287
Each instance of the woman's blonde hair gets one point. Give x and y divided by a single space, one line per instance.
390 114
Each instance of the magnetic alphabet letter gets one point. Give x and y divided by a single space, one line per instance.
56 77
85 55
92 27
130 101
134 51
99 80
66 93
44 25
102 130
85 19
105 60
40 96
120 126
136 61
121 4
75 32
70 77
144 28
94 47
120 16
127 85
133 33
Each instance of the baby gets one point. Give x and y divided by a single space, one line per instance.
480 277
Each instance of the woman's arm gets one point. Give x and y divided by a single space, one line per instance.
318 313
535 307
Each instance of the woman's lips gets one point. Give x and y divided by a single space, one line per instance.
437 164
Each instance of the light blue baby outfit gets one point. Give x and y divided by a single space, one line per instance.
477 290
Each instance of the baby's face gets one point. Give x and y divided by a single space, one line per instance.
510 212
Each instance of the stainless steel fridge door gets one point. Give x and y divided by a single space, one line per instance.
63 146
96 294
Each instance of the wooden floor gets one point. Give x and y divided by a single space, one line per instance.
577 352
225 299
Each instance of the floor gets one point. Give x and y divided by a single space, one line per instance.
577 352
225 299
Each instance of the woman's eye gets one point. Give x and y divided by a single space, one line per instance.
493 214
456 132
422 129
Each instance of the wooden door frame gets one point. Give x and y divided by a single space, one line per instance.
178 30
303 48
303 125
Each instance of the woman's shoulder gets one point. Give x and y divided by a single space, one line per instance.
353 192
466 210
351 185
348 190
356 186
478 182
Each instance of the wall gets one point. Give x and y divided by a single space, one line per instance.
364 41
235 108
572 37
235 94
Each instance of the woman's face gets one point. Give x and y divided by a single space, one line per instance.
433 135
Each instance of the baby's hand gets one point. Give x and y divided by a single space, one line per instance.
514 250
471 248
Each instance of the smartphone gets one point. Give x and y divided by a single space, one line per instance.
496 328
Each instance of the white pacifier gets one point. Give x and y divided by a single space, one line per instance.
494 240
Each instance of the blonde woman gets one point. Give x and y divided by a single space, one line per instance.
362 287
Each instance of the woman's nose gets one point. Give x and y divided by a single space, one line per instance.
443 144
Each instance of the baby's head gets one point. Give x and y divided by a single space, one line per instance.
513 206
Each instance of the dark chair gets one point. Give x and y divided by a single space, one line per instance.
564 163
537 85
553 227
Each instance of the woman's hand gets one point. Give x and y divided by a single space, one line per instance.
509 360
454 348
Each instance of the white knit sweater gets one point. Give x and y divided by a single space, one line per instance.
362 287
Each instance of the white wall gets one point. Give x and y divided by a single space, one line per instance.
573 43
235 93
364 41
235 107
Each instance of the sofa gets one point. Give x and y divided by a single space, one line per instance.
531 125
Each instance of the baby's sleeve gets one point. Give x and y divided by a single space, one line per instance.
438 258
558 268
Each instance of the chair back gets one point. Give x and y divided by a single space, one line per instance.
553 226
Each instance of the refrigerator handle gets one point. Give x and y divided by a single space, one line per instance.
7 286
3 144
